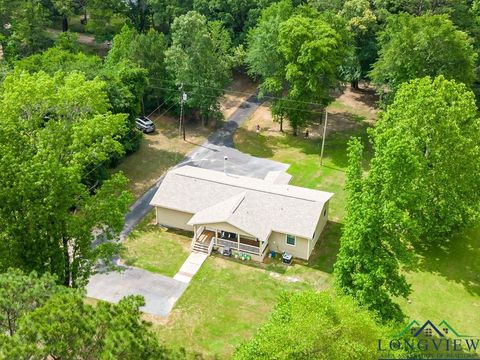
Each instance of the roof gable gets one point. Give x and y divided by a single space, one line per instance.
252 205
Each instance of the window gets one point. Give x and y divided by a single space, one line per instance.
428 332
291 240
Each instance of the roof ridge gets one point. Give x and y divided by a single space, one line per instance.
259 190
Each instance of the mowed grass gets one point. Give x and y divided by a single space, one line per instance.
156 249
223 306
446 283
158 152
303 155
227 300
445 280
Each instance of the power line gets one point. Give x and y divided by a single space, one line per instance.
242 92
215 97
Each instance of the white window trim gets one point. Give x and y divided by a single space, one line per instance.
286 242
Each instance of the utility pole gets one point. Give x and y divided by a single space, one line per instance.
183 99
324 134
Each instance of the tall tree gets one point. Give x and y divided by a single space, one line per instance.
309 51
368 266
362 22
413 47
25 30
107 17
65 8
422 186
54 131
21 294
428 138
52 322
146 50
165 11
199 60
312 325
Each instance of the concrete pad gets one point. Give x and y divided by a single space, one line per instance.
190 267
160 292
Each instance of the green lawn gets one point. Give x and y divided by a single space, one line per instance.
228 300
445 280
223 306
156 249
303 155
446 283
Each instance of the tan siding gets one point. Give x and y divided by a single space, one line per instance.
278 243
320 226
173 218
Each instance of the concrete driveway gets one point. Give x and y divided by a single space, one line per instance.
160 292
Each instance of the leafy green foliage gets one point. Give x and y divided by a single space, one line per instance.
68 41
199 59
24 26
428 158
52 131
367 266
49 321
298 55
58 59
21 294
413 47
421 187
147 52
65 8
107 17
312 325
237 16
362 22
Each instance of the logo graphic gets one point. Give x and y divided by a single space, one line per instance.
444 329
429 341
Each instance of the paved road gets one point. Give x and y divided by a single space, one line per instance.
162 292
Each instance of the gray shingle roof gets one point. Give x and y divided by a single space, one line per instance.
255 206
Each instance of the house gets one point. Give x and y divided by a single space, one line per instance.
248 215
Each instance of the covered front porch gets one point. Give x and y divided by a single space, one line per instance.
238 242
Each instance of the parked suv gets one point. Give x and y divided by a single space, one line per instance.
145 125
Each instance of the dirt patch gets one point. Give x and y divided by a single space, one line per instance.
350 110
239 91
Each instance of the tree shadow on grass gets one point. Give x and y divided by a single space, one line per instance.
324 254
258 145
335 151
455 259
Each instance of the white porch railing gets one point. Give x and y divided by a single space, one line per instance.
210 247
250 248
243 247
195 236
229 243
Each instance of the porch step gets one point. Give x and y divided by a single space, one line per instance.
200 248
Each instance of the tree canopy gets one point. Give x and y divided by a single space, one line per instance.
53 132
312 325
298 56
422 186
198 60
55 322
416 46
